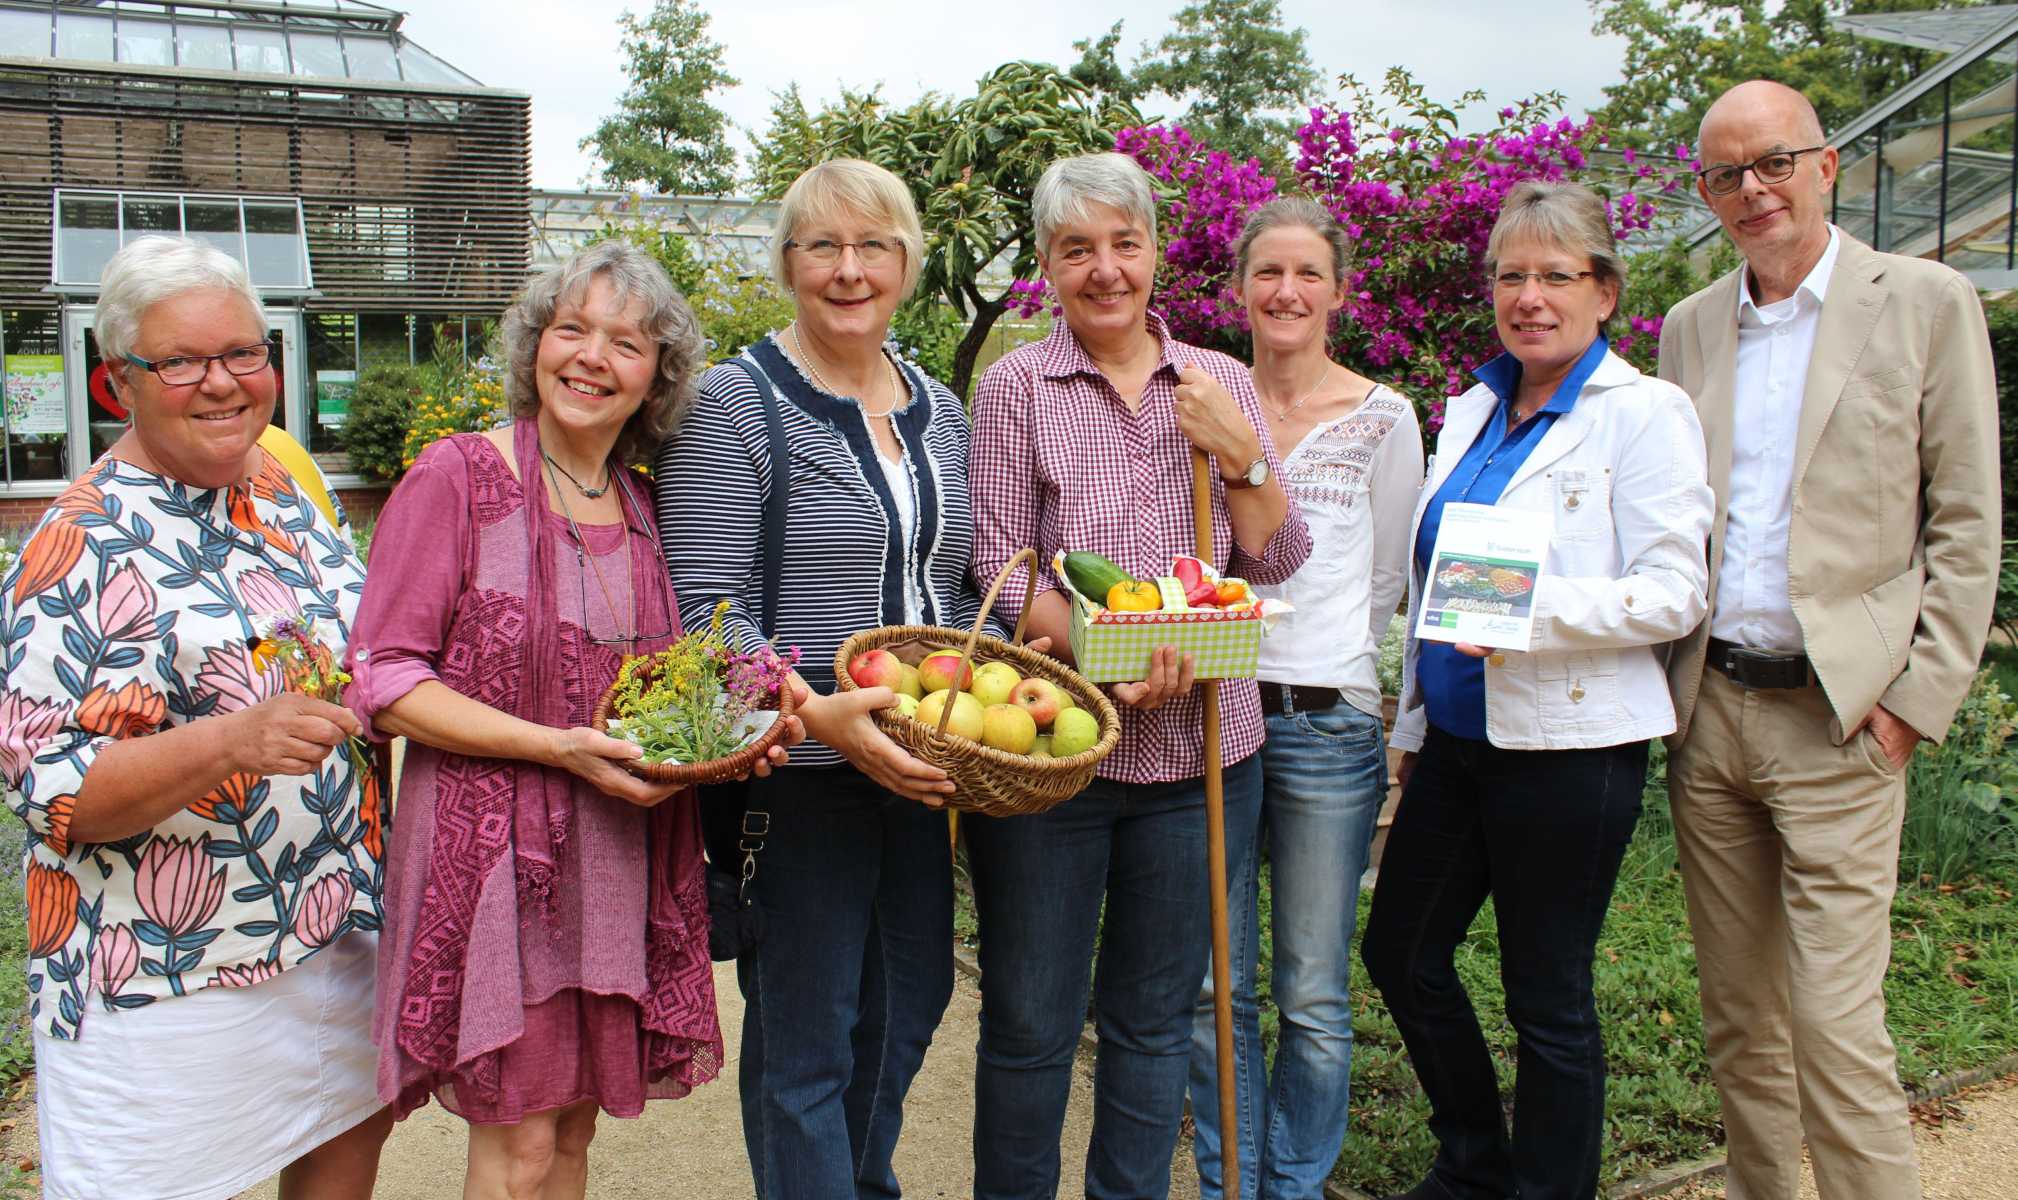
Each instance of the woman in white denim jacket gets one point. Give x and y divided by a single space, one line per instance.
1525 769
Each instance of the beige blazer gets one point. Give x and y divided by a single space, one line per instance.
1892 555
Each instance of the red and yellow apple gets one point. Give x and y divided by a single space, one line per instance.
877 668
937 672
1040 698
911 686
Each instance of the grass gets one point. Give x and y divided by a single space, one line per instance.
1951 991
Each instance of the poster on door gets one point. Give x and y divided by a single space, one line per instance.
333 390
35 402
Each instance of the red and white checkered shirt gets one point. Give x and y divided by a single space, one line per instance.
1060 462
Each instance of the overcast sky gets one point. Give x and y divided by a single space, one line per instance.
566 55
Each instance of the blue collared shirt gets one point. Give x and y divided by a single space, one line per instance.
1453 684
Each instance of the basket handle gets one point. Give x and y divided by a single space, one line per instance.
974 634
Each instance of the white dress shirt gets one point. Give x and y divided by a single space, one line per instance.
1775 342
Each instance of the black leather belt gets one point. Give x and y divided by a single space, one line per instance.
1761 669
1285 697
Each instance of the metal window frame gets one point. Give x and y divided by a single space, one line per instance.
182 199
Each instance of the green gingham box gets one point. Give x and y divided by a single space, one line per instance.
1116 646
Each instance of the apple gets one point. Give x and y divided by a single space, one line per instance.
1074 732
993 683
937 672
1008 728
907 704
911 686
876 668
966 721
1039 698
1042 749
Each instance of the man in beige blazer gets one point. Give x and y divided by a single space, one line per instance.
1850 411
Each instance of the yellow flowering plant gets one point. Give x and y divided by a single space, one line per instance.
693 701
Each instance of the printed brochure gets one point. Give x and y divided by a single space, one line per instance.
1482 576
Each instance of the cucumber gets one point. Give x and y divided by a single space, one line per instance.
1093 576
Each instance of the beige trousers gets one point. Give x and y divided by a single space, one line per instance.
1790 851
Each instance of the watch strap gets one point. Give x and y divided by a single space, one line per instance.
1244 480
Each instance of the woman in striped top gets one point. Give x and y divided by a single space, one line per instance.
855 967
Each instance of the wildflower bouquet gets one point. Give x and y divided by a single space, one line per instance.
299 644
698 700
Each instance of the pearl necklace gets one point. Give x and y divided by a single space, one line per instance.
820 379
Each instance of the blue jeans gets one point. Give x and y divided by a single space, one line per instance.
1324 776
1542 832
1039 886
852 976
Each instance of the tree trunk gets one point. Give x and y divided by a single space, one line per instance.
985 314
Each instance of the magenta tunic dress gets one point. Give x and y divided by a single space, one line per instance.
517 992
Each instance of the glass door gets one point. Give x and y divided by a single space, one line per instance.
95 403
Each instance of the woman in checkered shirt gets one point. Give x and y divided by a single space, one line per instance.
1083 441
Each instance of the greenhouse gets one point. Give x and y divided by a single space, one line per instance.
379 198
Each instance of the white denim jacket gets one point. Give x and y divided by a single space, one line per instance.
1625 477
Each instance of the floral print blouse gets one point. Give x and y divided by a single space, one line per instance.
131 610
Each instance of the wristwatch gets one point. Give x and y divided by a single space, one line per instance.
1254 476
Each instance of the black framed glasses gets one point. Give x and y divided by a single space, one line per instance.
191 368
826 253
1777 167
1555 279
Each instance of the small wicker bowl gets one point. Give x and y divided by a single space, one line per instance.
991 782
719 770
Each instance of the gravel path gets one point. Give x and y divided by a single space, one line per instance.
693 1148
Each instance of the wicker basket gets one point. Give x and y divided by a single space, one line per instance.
719 770
992 782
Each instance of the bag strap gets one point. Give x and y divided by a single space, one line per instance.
289 454
772 542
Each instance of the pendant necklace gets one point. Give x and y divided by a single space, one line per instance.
800 350
1321 377
595 494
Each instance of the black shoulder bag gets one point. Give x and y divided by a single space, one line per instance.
729 826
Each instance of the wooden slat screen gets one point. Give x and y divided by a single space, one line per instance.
413 201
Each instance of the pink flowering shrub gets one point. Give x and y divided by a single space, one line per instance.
1419 199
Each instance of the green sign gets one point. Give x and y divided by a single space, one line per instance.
333 390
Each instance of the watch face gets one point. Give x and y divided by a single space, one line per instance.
1257 472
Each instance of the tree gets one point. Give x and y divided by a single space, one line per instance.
665 133
1235 62
1098 69
1683 54
971 166
1418 196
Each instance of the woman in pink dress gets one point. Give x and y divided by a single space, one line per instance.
545 953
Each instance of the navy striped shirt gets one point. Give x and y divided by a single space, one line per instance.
846 559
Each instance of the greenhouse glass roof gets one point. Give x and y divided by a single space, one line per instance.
1943 29
340 39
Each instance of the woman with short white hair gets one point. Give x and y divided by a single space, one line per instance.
204 881
855 965
1083 441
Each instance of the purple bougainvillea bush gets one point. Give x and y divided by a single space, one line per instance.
1419 199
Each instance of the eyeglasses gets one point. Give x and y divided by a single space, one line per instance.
1777 167
191 368
1555 279
826 253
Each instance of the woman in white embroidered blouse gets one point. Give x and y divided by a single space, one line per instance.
1351 460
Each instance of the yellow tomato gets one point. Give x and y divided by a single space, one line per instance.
1139 596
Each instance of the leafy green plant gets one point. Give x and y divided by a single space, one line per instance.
1962 796
736 310
667 246
381 411
928 333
